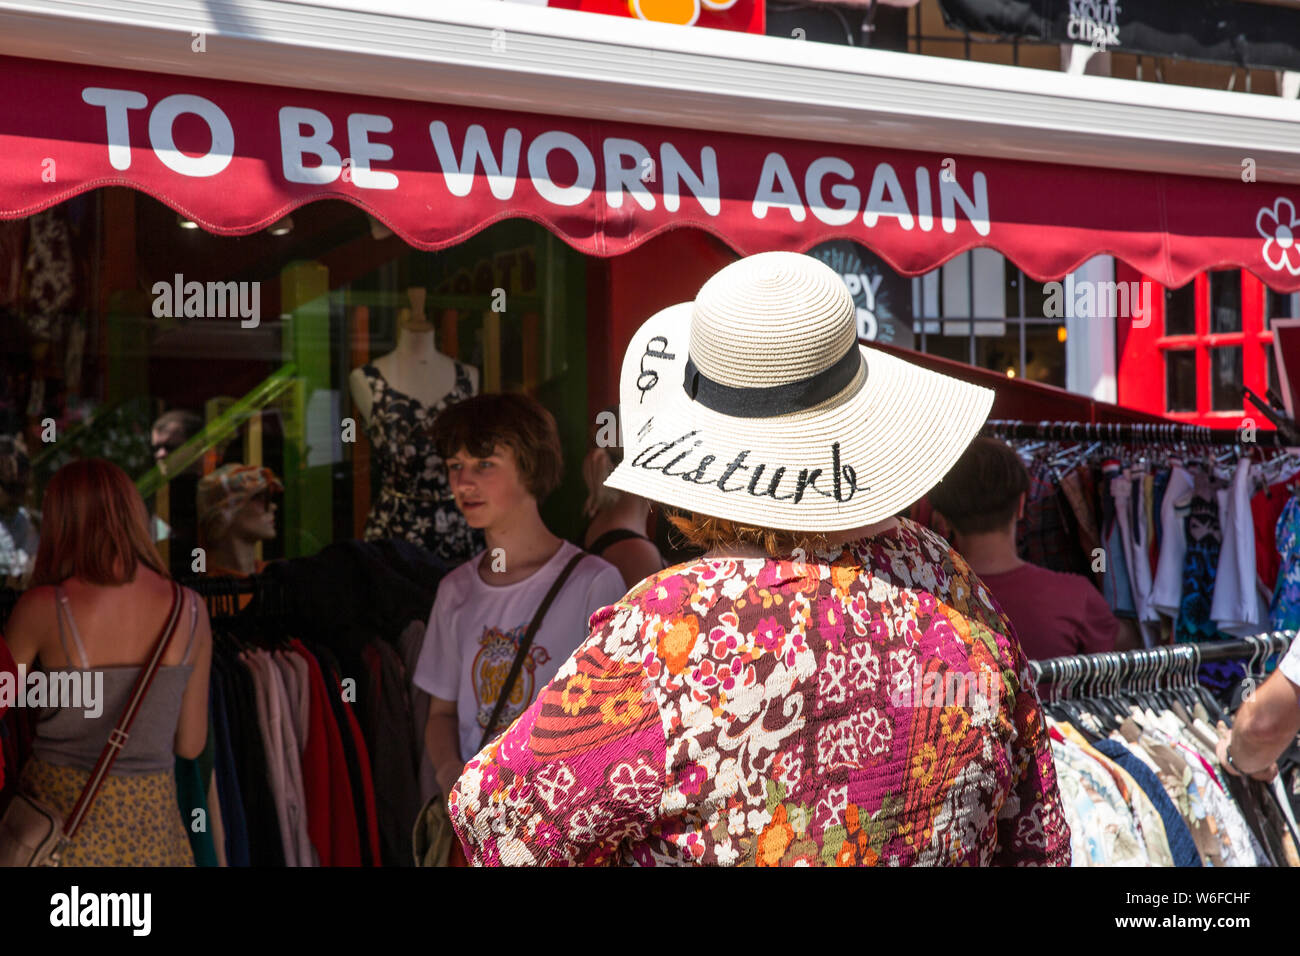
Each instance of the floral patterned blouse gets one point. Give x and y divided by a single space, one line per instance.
864 707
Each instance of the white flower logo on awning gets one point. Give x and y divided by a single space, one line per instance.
1280 228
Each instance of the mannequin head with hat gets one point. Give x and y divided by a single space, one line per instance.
236 513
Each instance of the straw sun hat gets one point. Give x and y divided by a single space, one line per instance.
755 403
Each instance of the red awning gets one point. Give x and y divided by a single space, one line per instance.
235 157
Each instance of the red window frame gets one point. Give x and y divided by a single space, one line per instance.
1141 375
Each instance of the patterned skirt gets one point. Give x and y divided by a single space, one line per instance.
134 821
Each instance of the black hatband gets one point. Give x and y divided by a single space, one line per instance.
772 400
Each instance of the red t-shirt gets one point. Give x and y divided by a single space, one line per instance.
1054 614
1265 509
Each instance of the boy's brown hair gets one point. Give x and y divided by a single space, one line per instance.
980 493
522 424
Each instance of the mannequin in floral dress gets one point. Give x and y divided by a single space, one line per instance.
399 395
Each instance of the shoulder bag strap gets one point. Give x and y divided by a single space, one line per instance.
525 644
118 737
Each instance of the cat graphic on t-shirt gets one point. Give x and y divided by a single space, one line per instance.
497 650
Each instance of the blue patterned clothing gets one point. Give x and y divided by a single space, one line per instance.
1284 611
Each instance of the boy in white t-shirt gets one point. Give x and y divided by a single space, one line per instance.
503 457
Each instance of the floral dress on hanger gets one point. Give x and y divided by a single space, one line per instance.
415 500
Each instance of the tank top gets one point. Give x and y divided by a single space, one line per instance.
68 737
612 537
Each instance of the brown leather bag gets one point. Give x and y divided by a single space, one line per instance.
32 833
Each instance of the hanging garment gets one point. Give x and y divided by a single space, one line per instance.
1108 824
227 776
355 757
1131 525
1284 611
1265 508
415 501
13 244
395 750
269 723
1046 535
1146 820
265 845
1234 834
1200 565
1167 589
1087 833
293 672
18 544
1076 487
1181 845
1268 828
411 644
50 275
1116 583
217 821
295 799
331 816
1200 568
1182 788
1159 482
1235 608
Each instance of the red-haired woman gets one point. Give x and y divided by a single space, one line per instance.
99 599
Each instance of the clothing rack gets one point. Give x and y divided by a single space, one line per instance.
222 595
1155 664
1133 433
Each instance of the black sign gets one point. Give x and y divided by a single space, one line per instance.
883 297
1242 34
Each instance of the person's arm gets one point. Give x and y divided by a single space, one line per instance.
1032 830
1266 724
28 622
437 673
442 742
582 770
192 727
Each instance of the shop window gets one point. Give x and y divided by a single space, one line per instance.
1180 381
1216 337
1180 310
1225 301
1045 353
1225 378
1279 305
993 316
255 344
1283 305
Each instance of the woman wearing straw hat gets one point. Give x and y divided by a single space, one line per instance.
828 685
